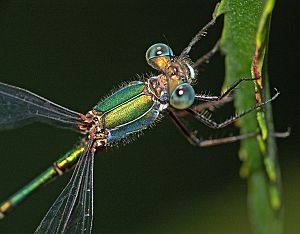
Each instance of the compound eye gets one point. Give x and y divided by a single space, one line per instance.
182 97
158 55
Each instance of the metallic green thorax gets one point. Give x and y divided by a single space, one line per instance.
121 96
128 110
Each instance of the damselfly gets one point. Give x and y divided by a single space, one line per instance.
128 111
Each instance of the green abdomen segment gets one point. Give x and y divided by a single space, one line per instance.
129 110
67 162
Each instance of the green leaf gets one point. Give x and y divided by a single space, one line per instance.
244 43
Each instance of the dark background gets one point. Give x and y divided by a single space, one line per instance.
74 53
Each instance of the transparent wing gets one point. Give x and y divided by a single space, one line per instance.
77 194
82 218
19 107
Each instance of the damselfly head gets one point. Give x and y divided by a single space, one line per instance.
176 71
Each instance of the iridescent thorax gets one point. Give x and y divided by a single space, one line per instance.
137 105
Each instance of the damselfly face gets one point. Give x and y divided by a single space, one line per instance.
177 75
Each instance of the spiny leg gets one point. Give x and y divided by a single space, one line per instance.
205 58
192 139
200 34
208 98
212 124
211 106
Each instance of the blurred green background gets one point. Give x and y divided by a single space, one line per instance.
74 53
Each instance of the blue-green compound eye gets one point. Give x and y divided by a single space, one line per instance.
158 54
158 50
182 97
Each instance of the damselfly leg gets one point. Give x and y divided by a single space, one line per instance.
200 34
208 98
193 139
206 57
212 124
